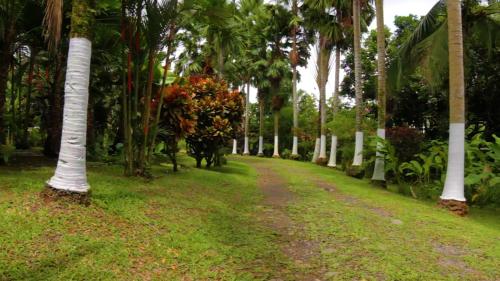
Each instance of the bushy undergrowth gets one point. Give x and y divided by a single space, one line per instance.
423 175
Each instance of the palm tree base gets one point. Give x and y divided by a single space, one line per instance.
50 194
457 207
276 156
379 183
322 161
355 171
260 155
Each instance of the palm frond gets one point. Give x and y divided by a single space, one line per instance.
52 23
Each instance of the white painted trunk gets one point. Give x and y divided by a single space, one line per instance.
454 184
246 151
358 150
316 150
276 147
71 171
322 150
333 152
261 145
235 146
295 147
379 169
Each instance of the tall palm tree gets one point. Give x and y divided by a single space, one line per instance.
332 162
442 32
358 151
294 61
453 192
379 170
70 174
324 54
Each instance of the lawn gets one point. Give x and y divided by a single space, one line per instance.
204 224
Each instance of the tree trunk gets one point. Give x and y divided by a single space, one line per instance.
146 113
358 151
276 153
379 169
454 184
5 56
27 106
261 127
336 102
294 59
70 174
324 57
246 150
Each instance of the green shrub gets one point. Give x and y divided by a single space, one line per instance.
6 151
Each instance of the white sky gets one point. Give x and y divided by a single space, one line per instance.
391 9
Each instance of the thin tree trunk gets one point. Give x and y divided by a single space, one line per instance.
70 174
27 106
453 191
261 127
154 134
294 60
147 113
5 56
379 169
358 151
246 150
276 153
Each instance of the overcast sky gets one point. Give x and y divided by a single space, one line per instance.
391 9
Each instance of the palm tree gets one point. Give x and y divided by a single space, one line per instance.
453 192
324 53
332 162
70 175
358 151
379 170
438 34
294 61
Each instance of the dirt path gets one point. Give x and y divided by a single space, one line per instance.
303 254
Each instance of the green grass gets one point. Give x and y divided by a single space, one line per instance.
360 241
195 225
204 225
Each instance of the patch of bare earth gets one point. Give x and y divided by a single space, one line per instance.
302 252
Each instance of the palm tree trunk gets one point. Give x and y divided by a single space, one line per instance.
147 113
453 192
358 151
261 127
324 72
276 153
246 150
336 100
70 174
379 169
294 60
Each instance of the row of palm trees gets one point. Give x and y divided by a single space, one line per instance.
267 73
333 34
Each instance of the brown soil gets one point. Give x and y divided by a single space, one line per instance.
301 251
457 207
50 194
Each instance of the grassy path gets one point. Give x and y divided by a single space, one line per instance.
254 219
365 233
